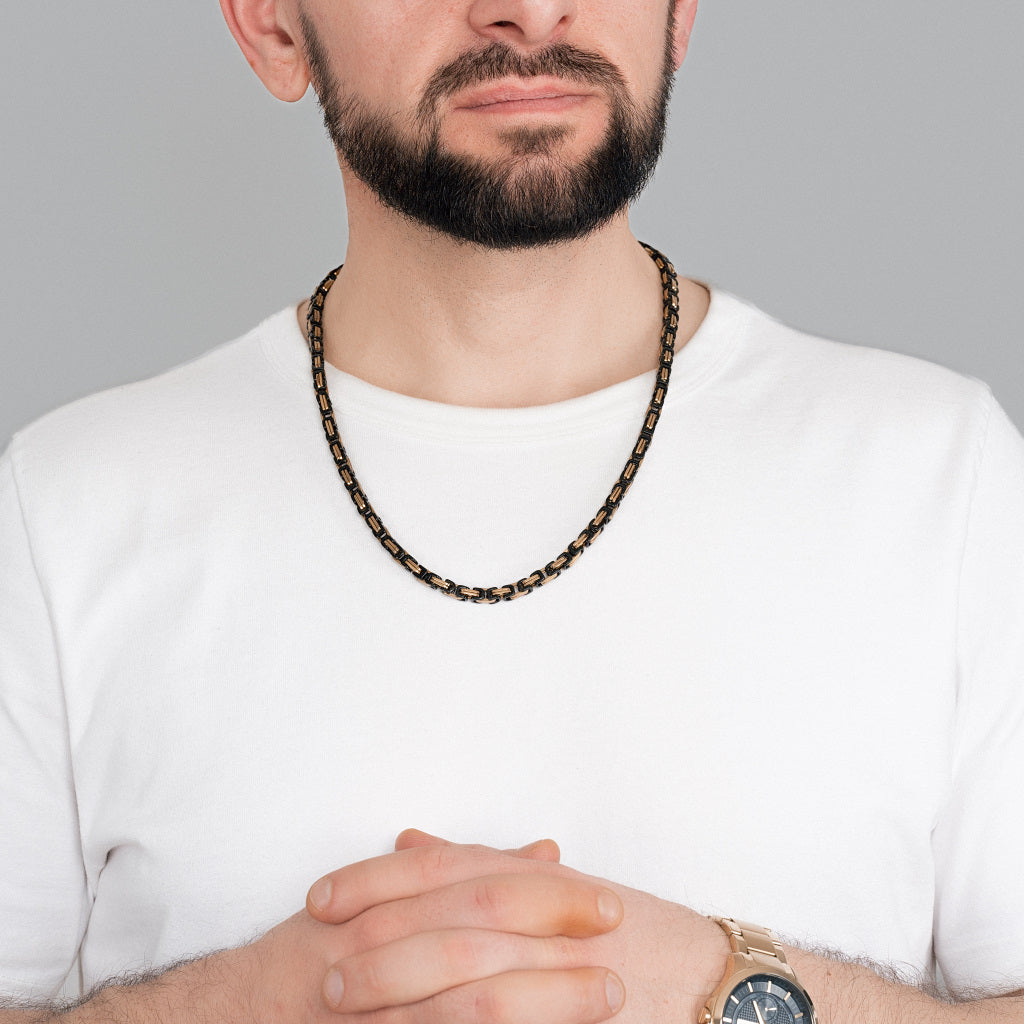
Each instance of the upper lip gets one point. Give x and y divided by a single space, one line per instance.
511 90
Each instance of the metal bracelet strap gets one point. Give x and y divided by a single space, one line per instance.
569 557
758 943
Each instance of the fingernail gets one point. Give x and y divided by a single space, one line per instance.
615 992
609 906
320 894
334 988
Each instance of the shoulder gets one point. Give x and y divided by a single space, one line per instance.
210 379
118 438
821 382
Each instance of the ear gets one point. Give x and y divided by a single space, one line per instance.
271 43
685 12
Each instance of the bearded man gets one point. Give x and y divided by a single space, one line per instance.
359 569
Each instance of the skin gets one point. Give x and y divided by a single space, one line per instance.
480 906
644 945
668 957
426 316
437 932
417 313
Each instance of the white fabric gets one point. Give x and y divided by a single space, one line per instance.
786 684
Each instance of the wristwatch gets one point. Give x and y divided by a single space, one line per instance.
759 986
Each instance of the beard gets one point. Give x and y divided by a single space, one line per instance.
530 198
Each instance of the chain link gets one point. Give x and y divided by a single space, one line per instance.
539 577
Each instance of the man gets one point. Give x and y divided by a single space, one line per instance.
782 686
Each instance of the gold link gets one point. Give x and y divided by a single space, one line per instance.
569 557
751 940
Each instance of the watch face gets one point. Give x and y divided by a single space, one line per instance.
767 999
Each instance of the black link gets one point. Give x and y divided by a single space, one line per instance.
568 558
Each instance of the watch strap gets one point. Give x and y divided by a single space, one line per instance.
755 945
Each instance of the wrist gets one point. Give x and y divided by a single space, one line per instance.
707 962
759 982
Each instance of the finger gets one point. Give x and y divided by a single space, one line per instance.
539 905
343 894
584 995
542 849
422 965
410 838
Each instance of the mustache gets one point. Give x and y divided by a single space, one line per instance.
500 60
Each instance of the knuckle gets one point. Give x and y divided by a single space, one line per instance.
367 978
492 899
563 952
472 1004
461 951
435 863
487 1007
373 928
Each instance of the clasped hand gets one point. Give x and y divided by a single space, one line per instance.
438 933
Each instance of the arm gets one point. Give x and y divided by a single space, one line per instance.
211 988
278 979
845 992
669 958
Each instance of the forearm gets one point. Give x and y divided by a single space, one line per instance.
849 993
203 991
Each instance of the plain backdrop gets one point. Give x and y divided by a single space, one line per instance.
855 169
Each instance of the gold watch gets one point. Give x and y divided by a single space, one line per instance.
759 986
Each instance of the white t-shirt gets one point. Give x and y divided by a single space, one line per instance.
786 684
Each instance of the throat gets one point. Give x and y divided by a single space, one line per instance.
529 354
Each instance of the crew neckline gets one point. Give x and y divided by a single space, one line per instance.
697 362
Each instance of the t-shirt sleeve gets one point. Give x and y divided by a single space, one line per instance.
979 835
43 896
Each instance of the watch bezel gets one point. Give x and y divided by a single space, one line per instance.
715 1007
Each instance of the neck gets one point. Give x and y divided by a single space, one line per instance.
429 317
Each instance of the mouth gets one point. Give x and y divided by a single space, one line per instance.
542 95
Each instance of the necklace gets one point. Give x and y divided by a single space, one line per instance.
568 558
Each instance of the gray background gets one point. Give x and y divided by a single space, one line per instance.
854 168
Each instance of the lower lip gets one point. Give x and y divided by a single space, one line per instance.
541 105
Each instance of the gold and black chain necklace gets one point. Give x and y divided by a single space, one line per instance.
568 558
